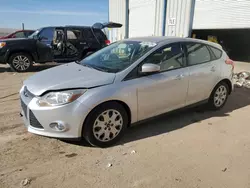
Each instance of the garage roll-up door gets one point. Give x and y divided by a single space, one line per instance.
141 17
221 14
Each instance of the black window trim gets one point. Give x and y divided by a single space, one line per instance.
126 78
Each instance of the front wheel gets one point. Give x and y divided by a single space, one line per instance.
106 124
20 62
219 96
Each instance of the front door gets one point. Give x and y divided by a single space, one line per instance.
204 72
44 45
164 91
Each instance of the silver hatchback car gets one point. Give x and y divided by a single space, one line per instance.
126 82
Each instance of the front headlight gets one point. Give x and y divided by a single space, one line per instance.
2 44
60 97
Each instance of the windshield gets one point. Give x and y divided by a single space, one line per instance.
34 34
117 56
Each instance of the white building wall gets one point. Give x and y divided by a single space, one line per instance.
221 14
146 18
117 13
179 15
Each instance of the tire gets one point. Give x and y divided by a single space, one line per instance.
218 97
20 62
102 133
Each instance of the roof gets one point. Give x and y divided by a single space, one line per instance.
159 39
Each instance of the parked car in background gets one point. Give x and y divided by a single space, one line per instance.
18 34
58 44
123 83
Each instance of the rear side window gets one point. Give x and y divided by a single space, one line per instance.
197 53
217 53
73 34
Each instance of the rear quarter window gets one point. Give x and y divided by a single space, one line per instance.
88 35
217 53
100 35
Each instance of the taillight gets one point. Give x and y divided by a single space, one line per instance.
107 42
230 62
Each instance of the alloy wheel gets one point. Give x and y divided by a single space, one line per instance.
21 63
107 125
220 96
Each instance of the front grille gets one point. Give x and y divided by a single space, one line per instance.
24 107
34 122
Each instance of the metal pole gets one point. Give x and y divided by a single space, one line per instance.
127 19
191 18
164 17
23 26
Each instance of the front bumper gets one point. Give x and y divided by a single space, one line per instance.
38 119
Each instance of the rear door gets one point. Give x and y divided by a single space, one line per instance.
73 43
204 72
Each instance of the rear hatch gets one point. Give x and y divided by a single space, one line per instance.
100 31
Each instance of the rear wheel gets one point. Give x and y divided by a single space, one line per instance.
106 124
219 96
20 62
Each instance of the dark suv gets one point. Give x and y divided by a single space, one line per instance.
58 44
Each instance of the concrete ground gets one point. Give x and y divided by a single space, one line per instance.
188 149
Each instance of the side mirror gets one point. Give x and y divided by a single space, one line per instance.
150 68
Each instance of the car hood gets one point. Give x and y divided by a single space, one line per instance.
13 40
68 76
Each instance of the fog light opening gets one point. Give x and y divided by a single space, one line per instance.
58 126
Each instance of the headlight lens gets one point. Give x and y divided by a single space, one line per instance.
60 98
2 44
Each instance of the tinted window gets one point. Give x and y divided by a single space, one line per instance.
197 53
88 35
47 34
169 57
73 34
217 52
19 35
99 35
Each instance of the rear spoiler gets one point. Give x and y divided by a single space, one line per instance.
106 25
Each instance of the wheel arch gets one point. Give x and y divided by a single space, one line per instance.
229 84
126 107
33 56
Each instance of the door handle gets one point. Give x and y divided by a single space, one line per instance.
179 77
83 43
213 69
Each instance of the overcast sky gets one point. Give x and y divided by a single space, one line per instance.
38 13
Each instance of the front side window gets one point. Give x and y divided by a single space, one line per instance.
117 56
168 57
47 34
197 53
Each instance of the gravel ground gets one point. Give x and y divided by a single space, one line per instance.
187 149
